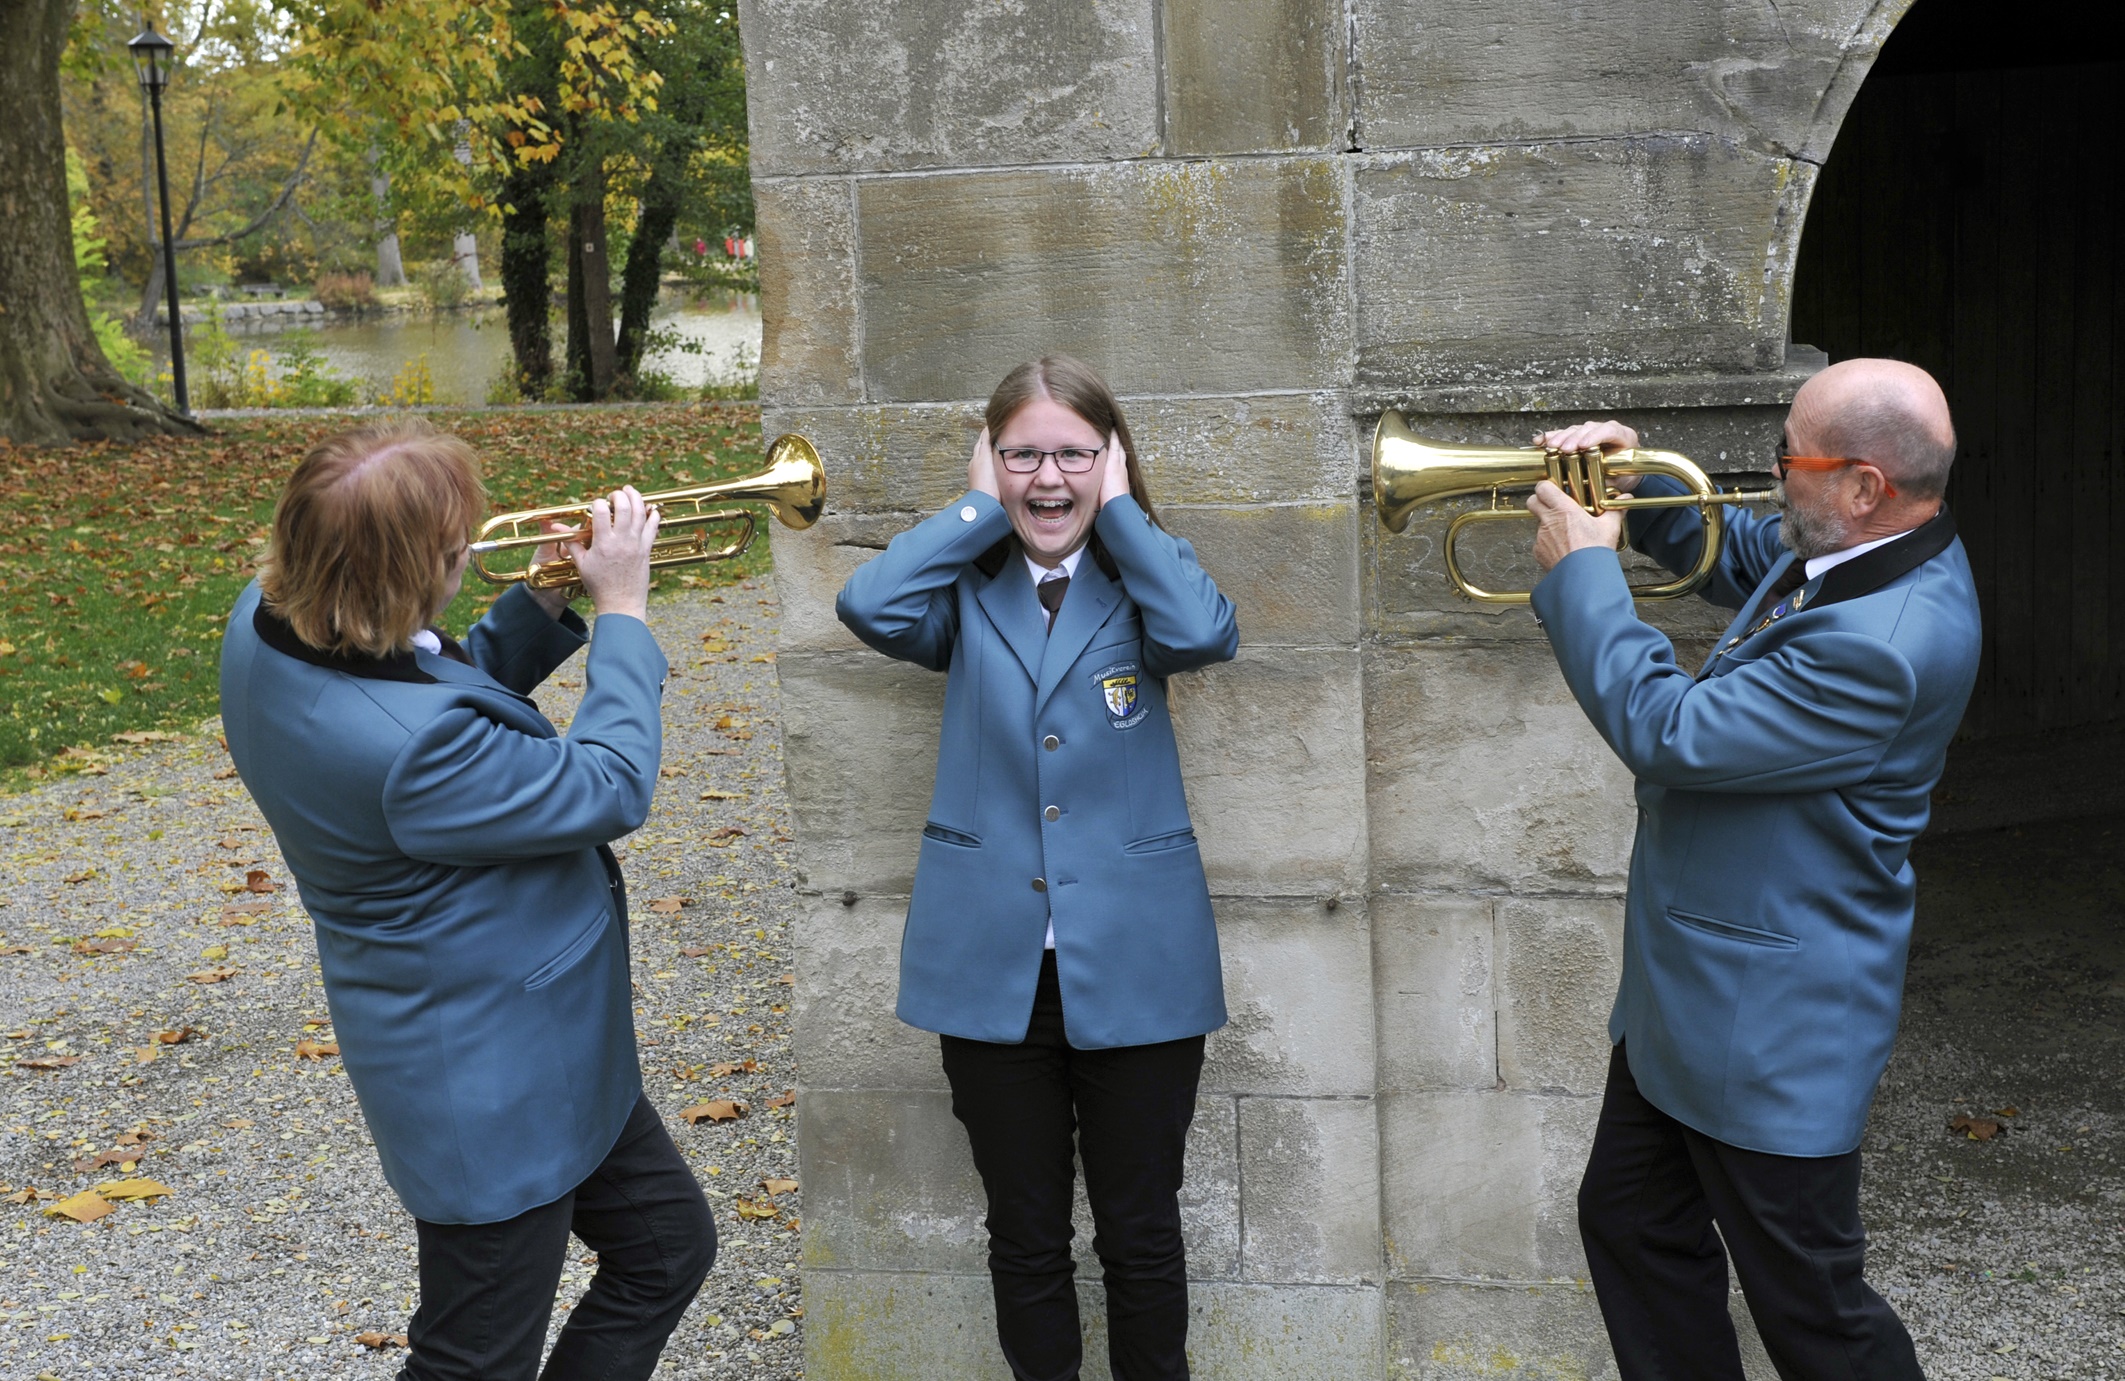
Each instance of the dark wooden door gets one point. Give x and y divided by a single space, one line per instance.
1969 220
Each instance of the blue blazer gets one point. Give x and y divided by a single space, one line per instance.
471 924
1779 792
1058 785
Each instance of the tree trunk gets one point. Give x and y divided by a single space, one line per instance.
465 254
591 355
640 280
527 284
390 269
55 384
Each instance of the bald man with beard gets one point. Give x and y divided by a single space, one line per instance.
1780 787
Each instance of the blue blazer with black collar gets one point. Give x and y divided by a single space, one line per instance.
450 847
1779 791
1058 789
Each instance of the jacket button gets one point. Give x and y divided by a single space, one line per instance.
967 514
1040 884
1051 743
1053 813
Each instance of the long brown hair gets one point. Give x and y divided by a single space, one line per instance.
1078 387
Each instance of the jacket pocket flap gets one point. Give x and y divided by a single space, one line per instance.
1727 930
945 835
1159 843
578 947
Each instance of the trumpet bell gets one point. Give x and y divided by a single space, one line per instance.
1409 471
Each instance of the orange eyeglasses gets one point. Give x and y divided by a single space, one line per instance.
1786 462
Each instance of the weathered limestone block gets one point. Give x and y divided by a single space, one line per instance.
1559 960
1609 256
811 567
860 745
889 1183
897 1326
1449 1331
835 87
806 240
1468 74
1311 1171
1275 448
1484 772
1246 76
1483 1185
848 982
1271 753
1291 569
1209 1198
1167 277
1298 992
1435 1007
1247 1332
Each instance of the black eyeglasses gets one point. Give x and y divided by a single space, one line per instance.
1027 460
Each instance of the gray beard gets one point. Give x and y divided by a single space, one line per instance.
1809 535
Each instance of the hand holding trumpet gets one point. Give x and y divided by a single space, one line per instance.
1566 527
612 566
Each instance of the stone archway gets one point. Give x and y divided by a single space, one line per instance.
1968 219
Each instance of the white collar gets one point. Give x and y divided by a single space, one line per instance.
427 642
1818 564
1067 567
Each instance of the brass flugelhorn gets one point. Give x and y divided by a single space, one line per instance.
1409 470
793 485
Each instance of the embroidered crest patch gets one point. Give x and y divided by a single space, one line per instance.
1118 687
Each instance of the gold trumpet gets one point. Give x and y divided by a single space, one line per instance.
793 485
1408 470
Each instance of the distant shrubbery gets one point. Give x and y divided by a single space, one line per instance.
296 375
345 292
444 284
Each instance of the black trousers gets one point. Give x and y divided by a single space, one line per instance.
1128 1111
487 1288
1654 1192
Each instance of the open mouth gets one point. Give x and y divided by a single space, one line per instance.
1050 511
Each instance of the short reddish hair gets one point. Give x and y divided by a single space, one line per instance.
365 533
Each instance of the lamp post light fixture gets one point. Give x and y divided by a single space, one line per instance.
151 59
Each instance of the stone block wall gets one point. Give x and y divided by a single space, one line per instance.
1264 221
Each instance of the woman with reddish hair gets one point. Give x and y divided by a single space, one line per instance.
451 848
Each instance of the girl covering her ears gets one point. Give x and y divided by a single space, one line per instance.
1060 937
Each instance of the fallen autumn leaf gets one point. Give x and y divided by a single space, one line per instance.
715 1110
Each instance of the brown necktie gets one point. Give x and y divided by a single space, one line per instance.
1051 594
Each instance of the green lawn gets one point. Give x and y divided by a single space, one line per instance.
125 561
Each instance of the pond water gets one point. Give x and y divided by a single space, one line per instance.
704 338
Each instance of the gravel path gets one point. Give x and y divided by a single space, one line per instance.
279 1243
2006 1256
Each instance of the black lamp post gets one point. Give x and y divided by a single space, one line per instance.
151 58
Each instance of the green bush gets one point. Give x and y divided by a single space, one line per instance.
444 284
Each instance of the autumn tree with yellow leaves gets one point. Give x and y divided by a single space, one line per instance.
554 116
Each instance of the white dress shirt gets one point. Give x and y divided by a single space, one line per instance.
1818 564
1067 567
